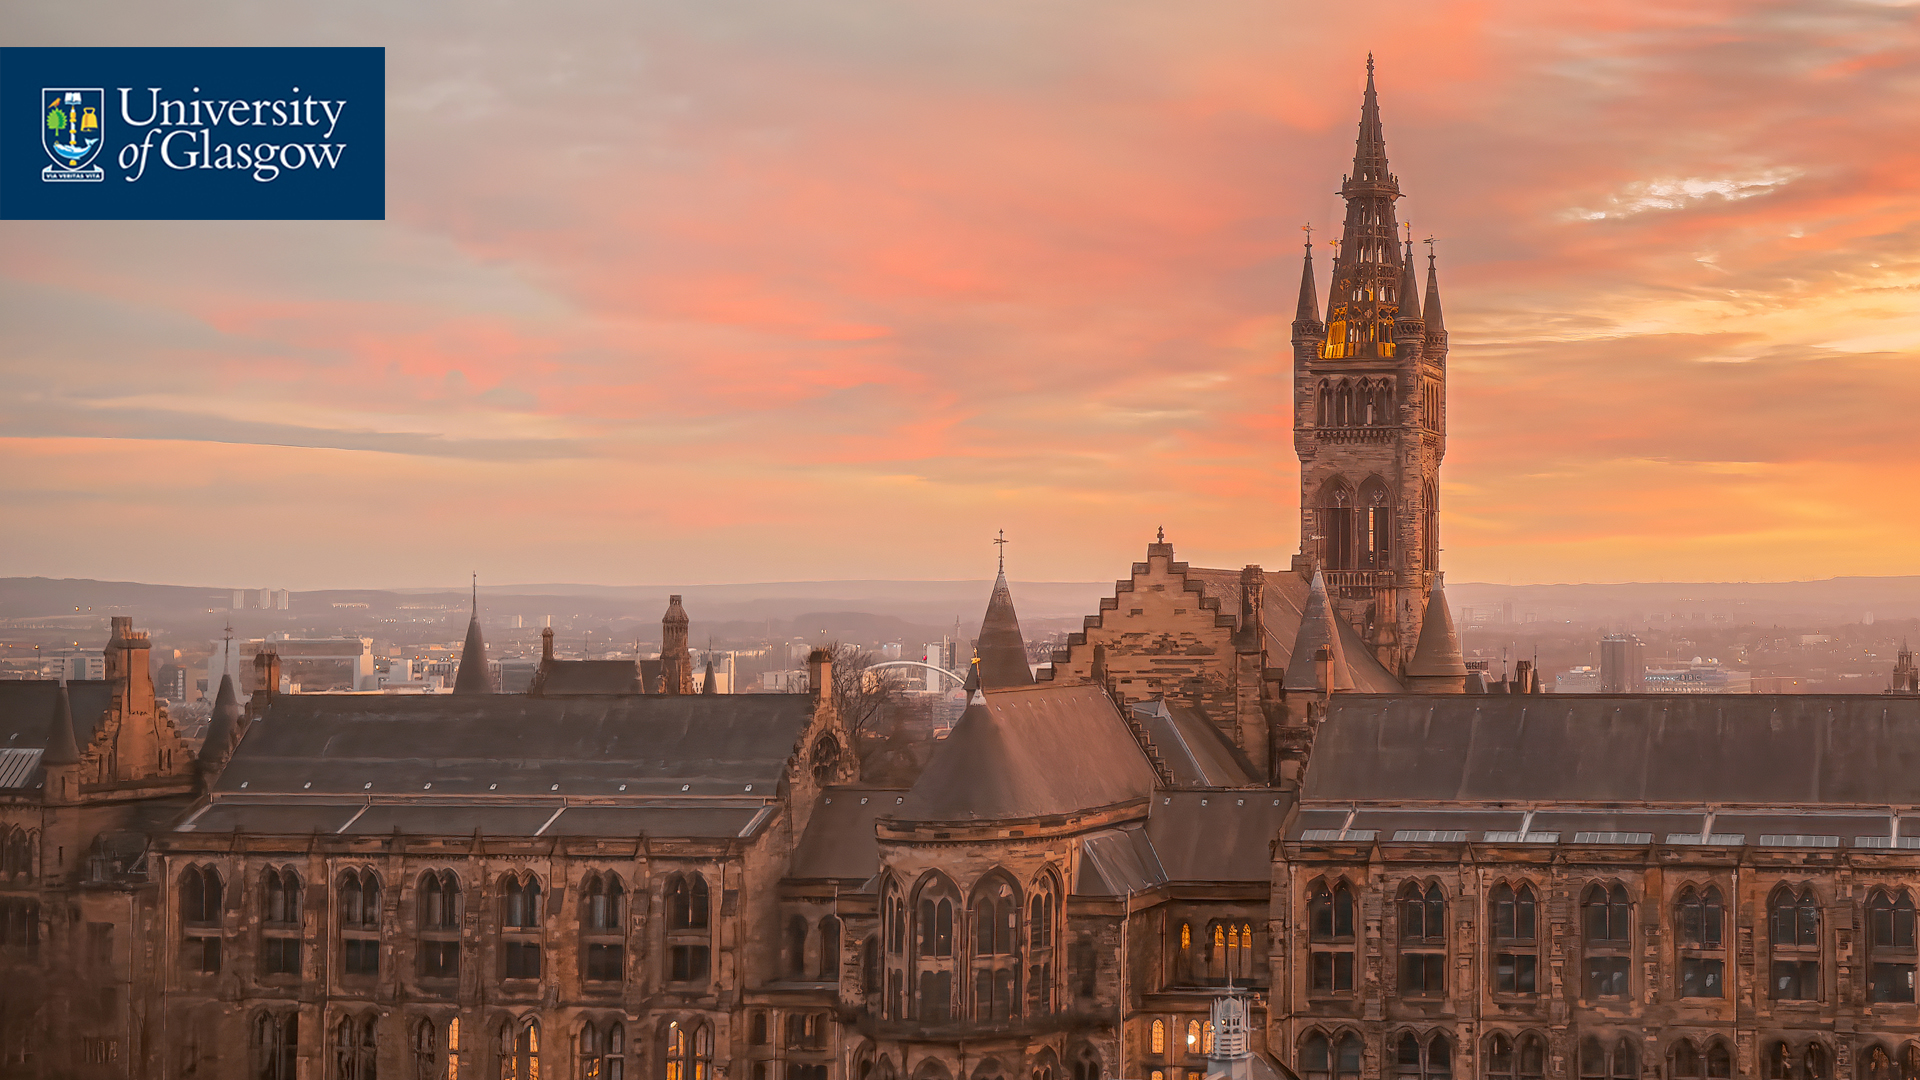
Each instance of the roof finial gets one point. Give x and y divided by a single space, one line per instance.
1369 64
1429 242
1001 540
476 594
1160 535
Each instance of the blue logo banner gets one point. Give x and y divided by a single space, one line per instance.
197 133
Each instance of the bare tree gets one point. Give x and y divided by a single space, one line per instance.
863 694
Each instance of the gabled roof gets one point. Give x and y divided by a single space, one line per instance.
1283 605
499 745
1037 751
1743 749
1196 753
561 677
1002 651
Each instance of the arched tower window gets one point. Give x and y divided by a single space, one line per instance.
936 905
1375 517
1337 525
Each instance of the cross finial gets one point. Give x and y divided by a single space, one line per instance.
1001 541
1160 535
1308 229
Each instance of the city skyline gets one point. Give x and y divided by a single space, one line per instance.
835 291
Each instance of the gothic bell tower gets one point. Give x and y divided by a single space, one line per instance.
1369 412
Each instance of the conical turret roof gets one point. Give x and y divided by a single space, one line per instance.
1002 651
1317 629
1409 292
471 678
1437 655
222 724
1435 320
709 685
61 747
1309 309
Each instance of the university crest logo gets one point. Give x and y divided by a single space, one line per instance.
73 129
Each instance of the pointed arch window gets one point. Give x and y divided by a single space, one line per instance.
1699 918
1606 920
603 943
276 1045
1183 956
602 1051
796 946
1890 945
17 862
1616 1061
520 1049
689 1051
1330 930
1524 1058
996 962
520 918
689 928
1416 1058
1422 912
1157 1038
201 895
1516 949
1793 935
358 898
1879 1063
1337 525
426 1050
354 1055
1688 1061
439 925
829 969
1042 913
1336 1058
280 932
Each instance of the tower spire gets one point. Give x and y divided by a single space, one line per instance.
1359 317
1409 291
1436 321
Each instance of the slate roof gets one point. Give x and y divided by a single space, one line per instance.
1114 862
558 677
471 676
454 818
1217 836
1194 751
1001 649
839 841
26 720
501 745
1765 750
1283 603
1035 751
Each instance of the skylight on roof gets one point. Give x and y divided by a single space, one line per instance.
1613 838
1797 840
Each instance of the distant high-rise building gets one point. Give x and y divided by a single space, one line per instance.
239 599
1623 665
518 622
282 599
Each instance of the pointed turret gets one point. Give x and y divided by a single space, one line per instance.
1370 148
221 725
1309 333
471 677
1437 666
61 747
709 684
1003 652
1409 331
1317 631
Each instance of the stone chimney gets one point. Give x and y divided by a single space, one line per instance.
820 674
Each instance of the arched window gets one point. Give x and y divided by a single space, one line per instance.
1606 918
1516 956
1890 945
200 900
1337 525
520 915
276 1045
359 903
1326 417
936 926
602 1050
1698 917
687 906
1793 931
453 1049
520 1049
1416 1058
829 949
1423 938
1086 1063
1689 1063
18 860
1374 543
439 925
1322 1058
870 965
689 1052
796 946
1157 1038
1330 926
689 929
280 922
1815 1063
1619 1061
1193 1037
1183 957
1879 1063
353 1048
426 1050
603 940
1042 912
1524 1058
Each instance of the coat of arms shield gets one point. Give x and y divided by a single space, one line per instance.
73 129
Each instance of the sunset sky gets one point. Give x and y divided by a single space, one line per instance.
745 291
